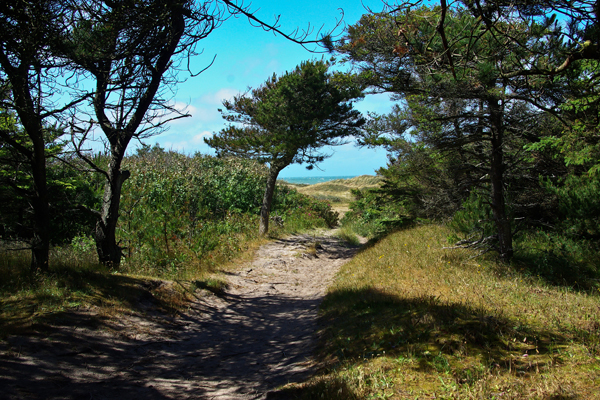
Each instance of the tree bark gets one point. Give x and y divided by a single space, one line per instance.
501 219
40 244
109 251
120 132
30 118
265 210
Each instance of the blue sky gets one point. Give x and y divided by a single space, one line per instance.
245 57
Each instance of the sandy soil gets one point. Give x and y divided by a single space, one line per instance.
243 344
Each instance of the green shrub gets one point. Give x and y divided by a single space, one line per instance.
473 219
578 205
558 258
373 215
301 210
182 213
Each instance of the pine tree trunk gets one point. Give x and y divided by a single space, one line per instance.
30 117
109 251
265 210
503 225
40 244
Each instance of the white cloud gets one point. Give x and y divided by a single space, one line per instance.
217 97
204 112
184 107
199 138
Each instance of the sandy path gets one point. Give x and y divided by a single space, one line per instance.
242 345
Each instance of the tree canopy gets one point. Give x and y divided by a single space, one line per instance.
475 81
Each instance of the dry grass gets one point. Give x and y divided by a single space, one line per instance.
338 191
34 301
408 319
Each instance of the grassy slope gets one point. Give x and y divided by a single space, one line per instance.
408 319
338 190
75 282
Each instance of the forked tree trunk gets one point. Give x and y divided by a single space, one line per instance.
109 251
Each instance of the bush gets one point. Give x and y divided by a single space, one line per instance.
302 211
373 215
177 209
181 213
473 219
578 205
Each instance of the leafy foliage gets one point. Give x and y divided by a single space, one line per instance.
373 214
306 211
577 143
288 120
184 213
176 209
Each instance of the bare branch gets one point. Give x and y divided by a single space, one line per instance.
296 36
80 152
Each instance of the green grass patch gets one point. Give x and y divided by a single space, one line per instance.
409 319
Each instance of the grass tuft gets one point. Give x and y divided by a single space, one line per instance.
346 234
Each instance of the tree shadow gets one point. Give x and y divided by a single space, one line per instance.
48 296
558 268
367 323
223 346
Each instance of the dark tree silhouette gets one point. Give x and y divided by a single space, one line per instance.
133 51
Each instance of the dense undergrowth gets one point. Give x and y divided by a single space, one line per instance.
563 251
182 218
184 214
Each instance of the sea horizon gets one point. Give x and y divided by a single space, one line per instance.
311 180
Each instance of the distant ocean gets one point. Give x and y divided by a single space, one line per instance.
314 179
